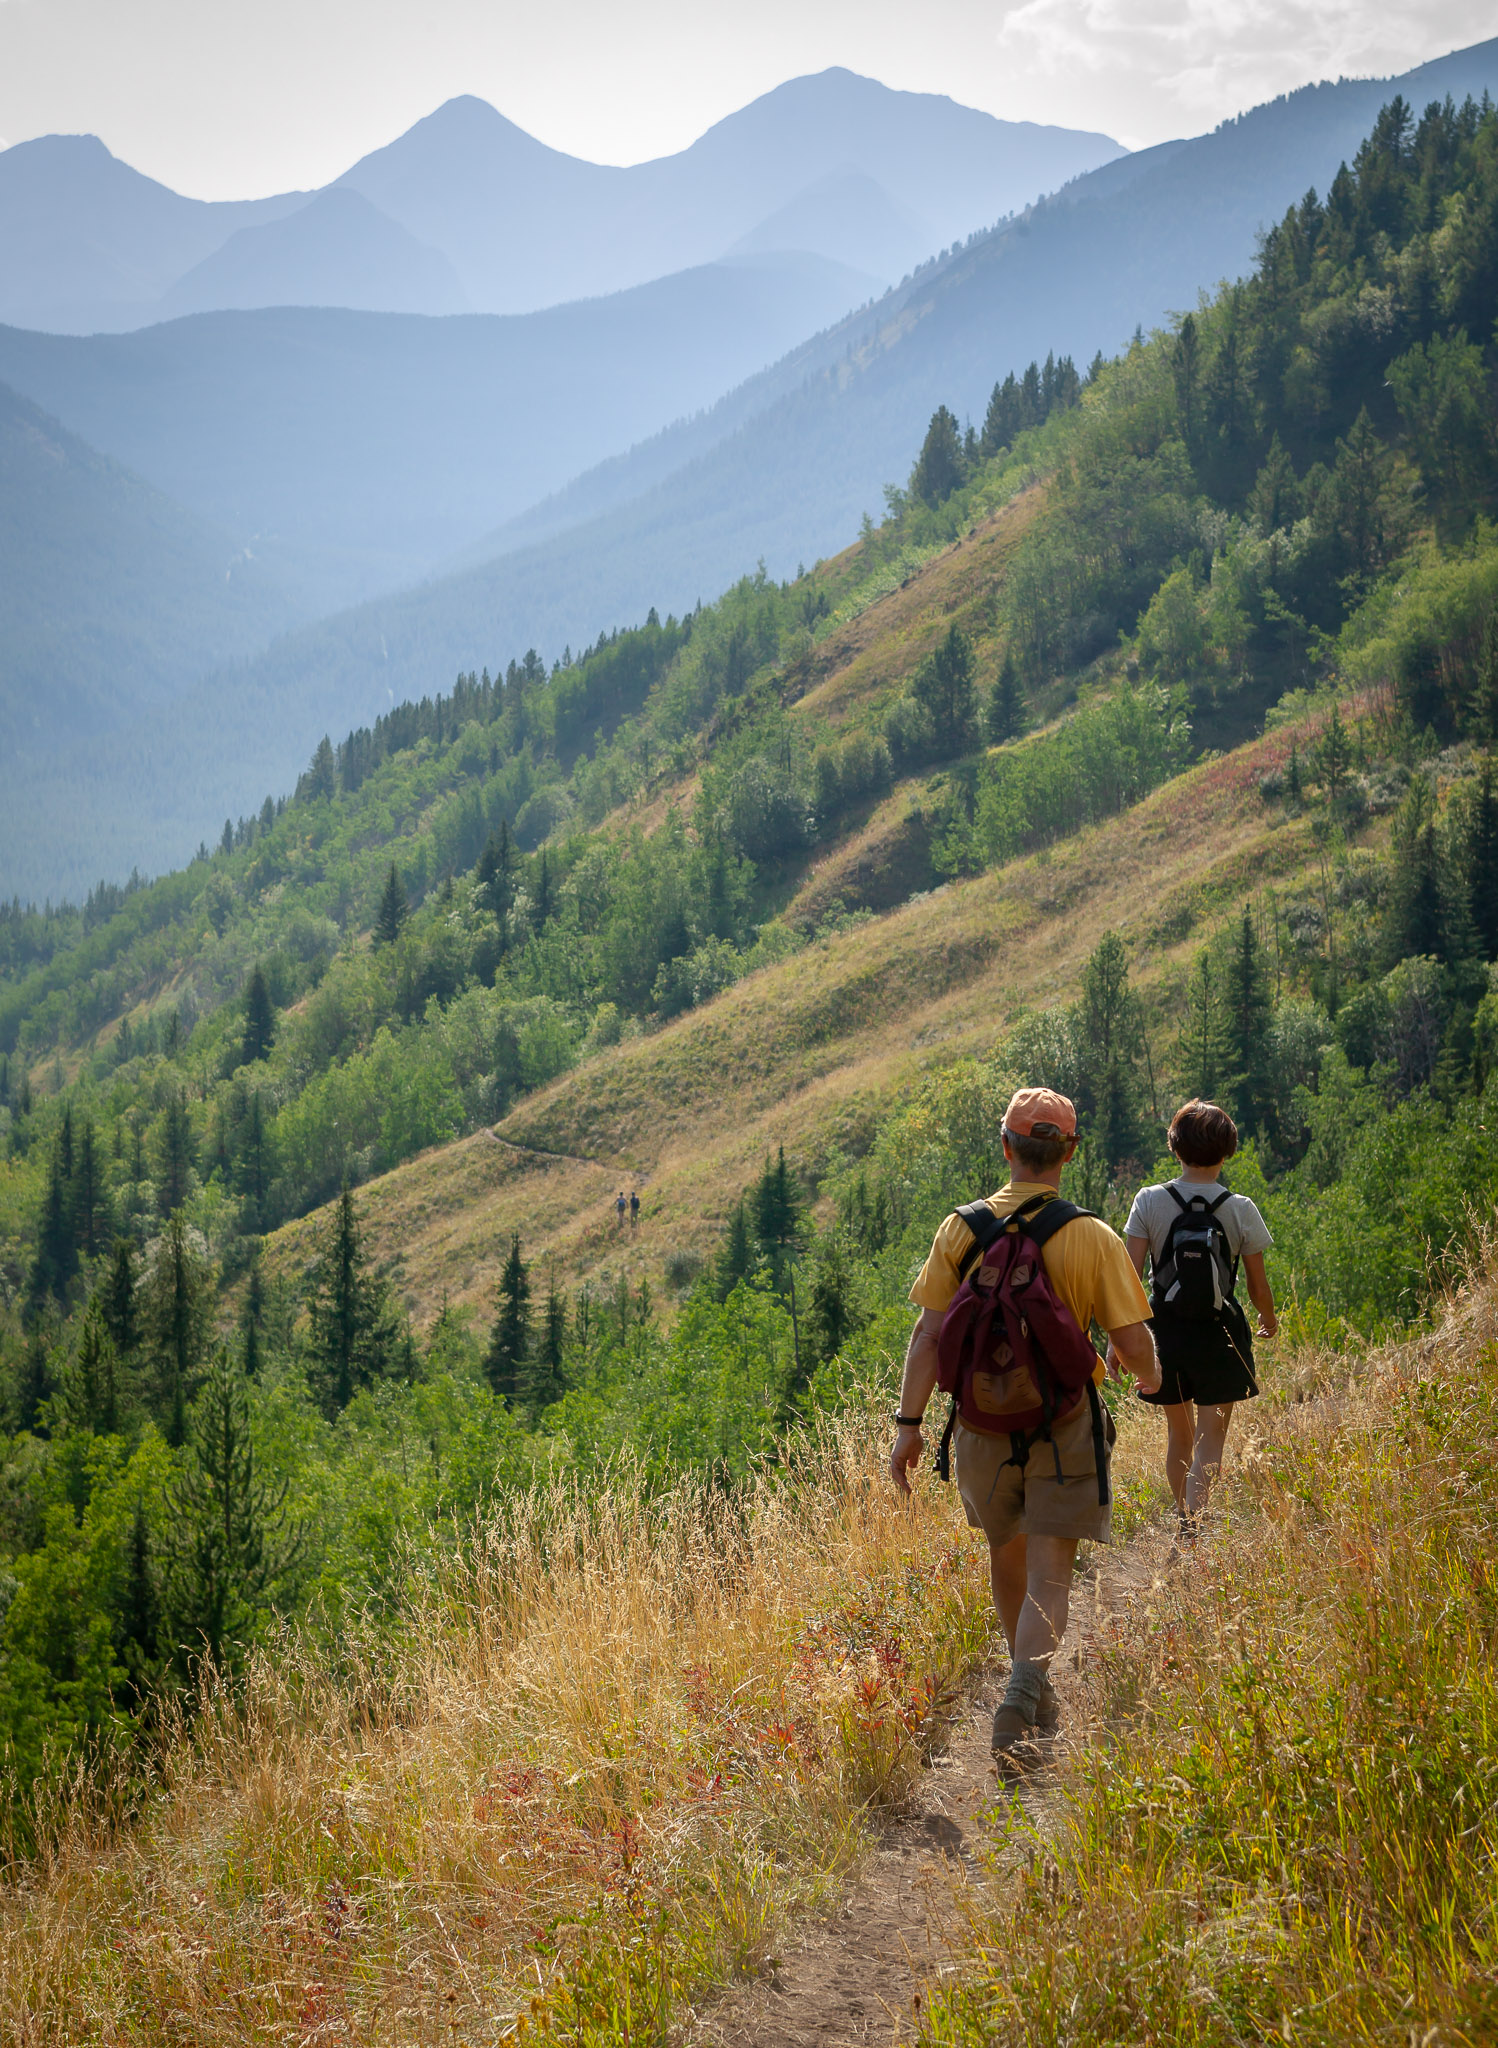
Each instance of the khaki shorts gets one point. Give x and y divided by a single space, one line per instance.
1004 1500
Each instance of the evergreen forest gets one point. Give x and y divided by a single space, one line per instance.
1249 560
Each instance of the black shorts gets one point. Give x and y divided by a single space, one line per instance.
1210 1363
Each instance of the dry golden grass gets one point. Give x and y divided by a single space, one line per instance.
809 1052
585 1776
1284 1824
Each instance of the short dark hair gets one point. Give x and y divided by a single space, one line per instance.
1038 1153
1201 1134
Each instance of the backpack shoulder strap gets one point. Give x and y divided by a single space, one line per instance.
1225 1196
988 1228
1055 1216
985 1226
1175 1195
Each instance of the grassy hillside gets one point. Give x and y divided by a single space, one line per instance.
602 1758
1144 750
808 1052
783 471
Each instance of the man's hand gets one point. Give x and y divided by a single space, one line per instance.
906 1455
1132 1349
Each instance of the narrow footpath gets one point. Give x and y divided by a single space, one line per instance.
859 1975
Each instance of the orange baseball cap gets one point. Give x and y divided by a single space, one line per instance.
1041 1113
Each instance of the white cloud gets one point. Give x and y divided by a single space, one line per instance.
1174 65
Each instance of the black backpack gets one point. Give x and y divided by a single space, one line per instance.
1196 1273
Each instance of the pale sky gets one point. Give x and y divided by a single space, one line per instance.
236 98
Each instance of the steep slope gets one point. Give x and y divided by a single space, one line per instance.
811 1053
113 597
783 468
338 250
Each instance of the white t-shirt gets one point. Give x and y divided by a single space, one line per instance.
1153 1212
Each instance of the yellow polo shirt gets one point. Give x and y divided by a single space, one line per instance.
1086 1264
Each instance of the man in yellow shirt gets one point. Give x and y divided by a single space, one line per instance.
1033 1522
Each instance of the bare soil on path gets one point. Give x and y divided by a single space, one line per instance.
860 1975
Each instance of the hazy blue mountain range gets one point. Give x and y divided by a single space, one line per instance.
357 450
468 211
86 242
338 250
833 163
113 599
780 469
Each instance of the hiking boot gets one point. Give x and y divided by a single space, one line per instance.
1015 1744
1047 1711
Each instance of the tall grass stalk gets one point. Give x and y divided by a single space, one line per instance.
595 1764
1284 1824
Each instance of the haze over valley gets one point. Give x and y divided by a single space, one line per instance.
572 735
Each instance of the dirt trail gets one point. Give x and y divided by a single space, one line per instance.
859 1976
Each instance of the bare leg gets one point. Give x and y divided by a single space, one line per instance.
1006 1569
1206 1462
1029 1707
1180 1448
1042 1621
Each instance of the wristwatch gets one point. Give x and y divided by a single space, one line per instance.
909 1421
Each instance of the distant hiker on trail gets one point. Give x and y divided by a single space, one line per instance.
634 1208
1004 1332
619 1206
1195 1233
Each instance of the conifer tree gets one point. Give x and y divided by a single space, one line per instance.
777 1214
259 1020
1001 422
88 1199
175 1155
547 1377
1248 1013
390 918
227 1540
1202 1051
139 1637
1334 756
175 1312
495 872
55 1260
91 1389
1482 863
1110 1046
252 1163
352 1335
117 1297
940 467
830 1314
736 1254
510 1338
943 684
1482 706
36 1383
1426 914
252 1320
1004 717
542 900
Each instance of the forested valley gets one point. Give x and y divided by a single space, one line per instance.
1274 519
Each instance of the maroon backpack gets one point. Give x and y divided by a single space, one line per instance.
1011 1353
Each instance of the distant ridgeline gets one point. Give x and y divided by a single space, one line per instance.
1286 497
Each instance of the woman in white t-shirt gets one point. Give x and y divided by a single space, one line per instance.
1195 1233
